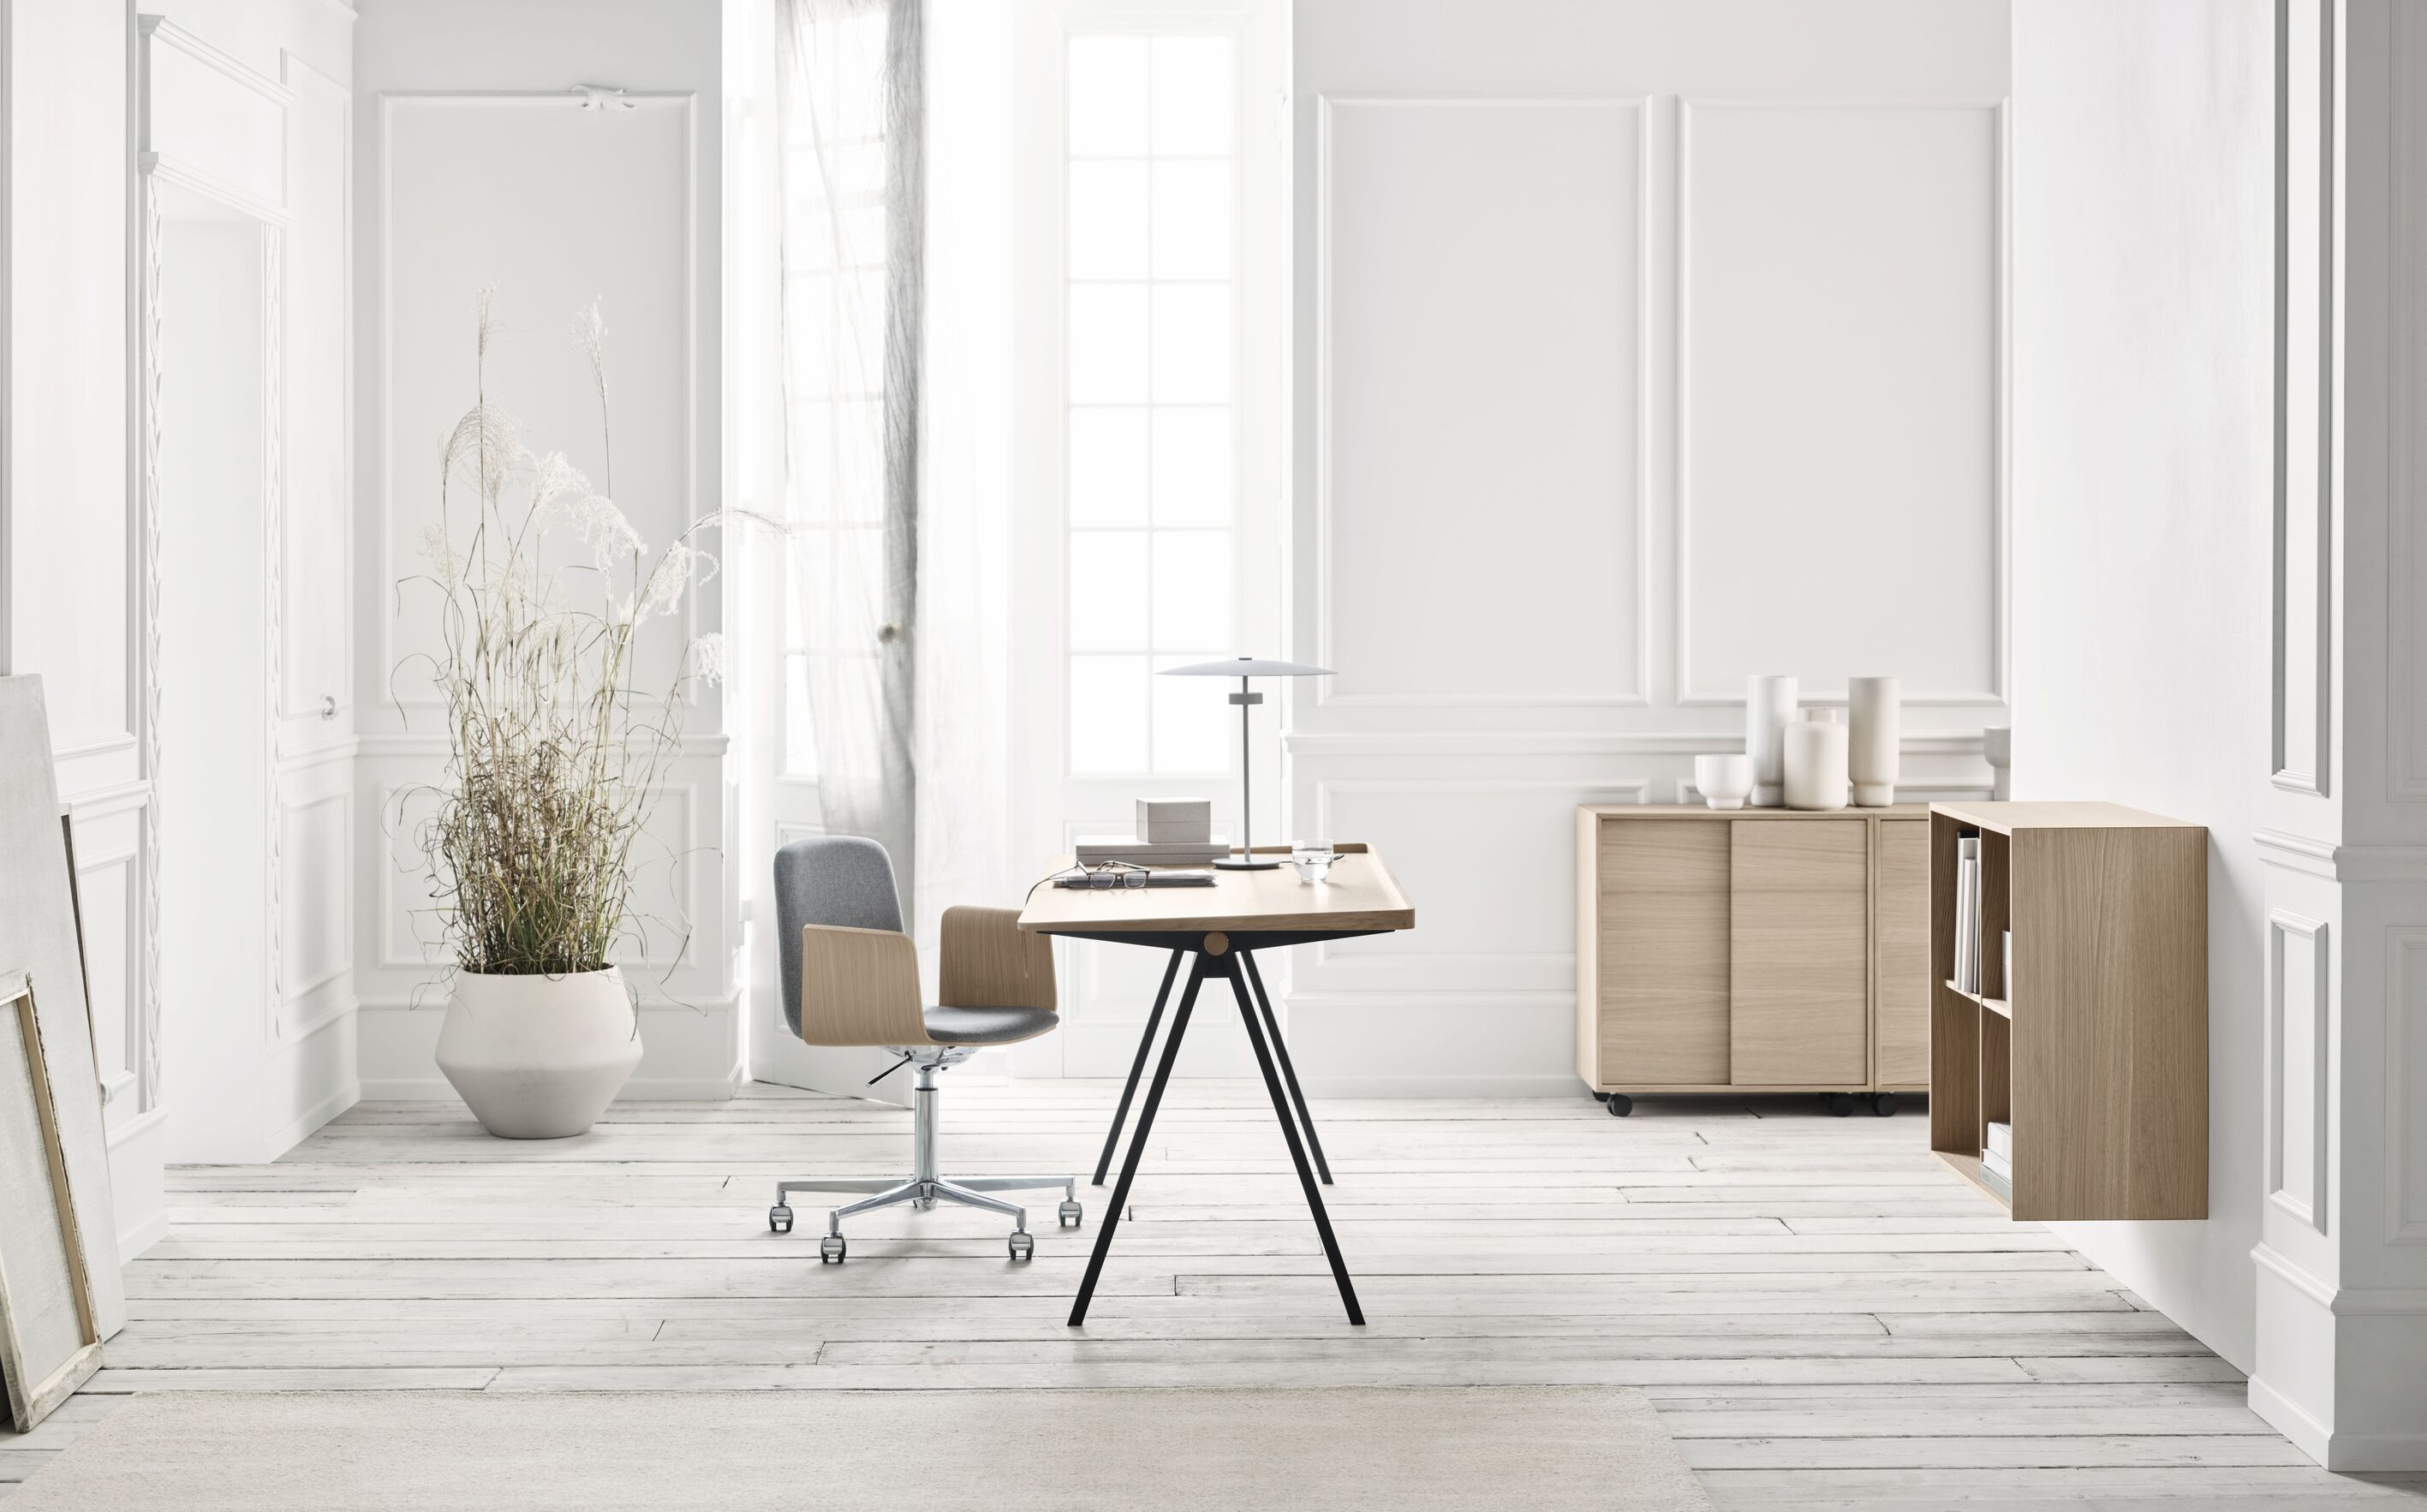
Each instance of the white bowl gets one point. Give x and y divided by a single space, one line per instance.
1723 780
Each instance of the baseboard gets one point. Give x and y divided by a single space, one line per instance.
135 1169
150 1231
2285 1416
1508 1084
640 1089
2345 1453
313 1118
2353 1454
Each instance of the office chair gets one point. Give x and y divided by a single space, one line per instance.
851 977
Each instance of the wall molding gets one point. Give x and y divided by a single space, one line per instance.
2405 969
688 193
2292 770
1325 105
2000 525
705 746
99 803
2282 926
161 29
2383 865
1571 743
147 327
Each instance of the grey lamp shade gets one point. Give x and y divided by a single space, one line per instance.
1248 667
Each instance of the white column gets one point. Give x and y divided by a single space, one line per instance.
2342 1257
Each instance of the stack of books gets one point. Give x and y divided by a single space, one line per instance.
1967 913
1094 850
1997 1158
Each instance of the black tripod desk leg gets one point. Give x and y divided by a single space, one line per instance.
1146 1045
1289 1072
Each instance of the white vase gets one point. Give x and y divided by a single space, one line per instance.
1871 748
1815 761
1769 705
1723 780
1998 748
539 1057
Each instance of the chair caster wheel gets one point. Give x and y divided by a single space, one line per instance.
1840 1104
779 1219
1023 1246
831 1250
1620 1104
1601 1097
1070 1212
1884 1105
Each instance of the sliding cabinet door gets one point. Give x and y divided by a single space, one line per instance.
1902 1010
1663 941
1799 948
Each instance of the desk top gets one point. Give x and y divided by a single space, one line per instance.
1359 897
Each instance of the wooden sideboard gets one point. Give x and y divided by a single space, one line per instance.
1769 948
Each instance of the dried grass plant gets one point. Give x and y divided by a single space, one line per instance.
555 755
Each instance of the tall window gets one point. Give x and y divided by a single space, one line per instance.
1150 396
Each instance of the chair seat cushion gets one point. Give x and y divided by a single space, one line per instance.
987 1026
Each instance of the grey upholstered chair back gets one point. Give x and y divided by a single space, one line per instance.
840 880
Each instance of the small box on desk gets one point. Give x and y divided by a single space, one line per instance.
1175 821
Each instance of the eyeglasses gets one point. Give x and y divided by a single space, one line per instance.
1103 875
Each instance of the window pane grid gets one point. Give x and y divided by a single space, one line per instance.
1148 271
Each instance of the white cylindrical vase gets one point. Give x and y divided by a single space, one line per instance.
1998 748
1769 706
1815 750
1871 748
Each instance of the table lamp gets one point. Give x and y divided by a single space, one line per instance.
1244 668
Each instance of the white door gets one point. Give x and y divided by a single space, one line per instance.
1150 295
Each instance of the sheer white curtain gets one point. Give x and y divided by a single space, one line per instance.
895 163
963 731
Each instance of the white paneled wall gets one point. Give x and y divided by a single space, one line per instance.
230 114
480 166
1638 347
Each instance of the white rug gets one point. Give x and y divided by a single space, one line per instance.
1388 1449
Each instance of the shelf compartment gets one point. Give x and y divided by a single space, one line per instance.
1996 1005
2105 1078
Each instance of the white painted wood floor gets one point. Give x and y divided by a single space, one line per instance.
1824 1315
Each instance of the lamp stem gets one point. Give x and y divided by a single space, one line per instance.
1247 805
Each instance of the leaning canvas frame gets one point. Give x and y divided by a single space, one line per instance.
48 1344
38 937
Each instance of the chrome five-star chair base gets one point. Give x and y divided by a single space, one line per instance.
924 1187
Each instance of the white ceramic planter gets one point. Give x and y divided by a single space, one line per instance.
1769 706
1723 780
1874 747
538 1057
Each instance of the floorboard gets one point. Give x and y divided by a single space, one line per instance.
1825 1315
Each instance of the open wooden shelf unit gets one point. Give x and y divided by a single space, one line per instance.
2097 1054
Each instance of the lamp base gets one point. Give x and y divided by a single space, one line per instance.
1232 863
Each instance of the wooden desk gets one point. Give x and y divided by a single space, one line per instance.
1222 927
